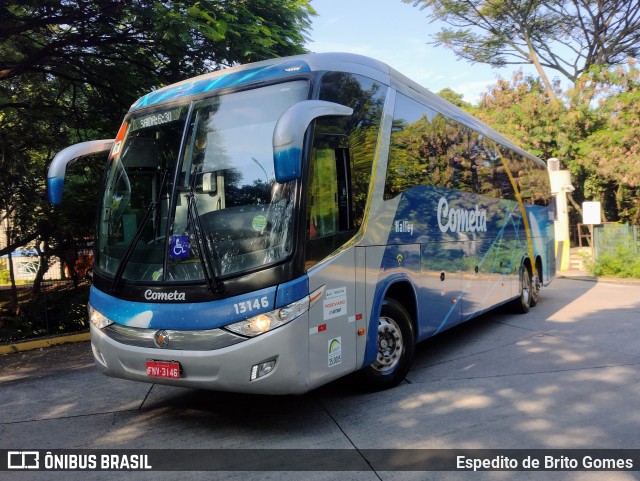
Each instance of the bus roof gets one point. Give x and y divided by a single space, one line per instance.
342 62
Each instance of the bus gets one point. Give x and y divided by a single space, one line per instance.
271 227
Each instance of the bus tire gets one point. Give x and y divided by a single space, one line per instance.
523 303
396 345
535 291
536 286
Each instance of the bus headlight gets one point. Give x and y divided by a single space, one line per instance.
98 319
268 321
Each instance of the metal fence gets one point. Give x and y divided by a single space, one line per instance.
59 308
612 238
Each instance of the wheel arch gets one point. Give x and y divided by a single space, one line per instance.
400 289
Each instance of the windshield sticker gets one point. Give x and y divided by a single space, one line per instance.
115 150
180 246
258 223
335 351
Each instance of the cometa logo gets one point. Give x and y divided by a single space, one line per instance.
149 295
461 220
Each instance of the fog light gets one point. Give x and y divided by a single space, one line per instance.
262 369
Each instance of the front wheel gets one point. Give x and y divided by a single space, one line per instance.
395 348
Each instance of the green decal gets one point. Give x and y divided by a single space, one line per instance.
259 223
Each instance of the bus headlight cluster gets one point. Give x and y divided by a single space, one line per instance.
98 319
268 321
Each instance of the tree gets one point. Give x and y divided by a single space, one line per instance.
88 39
612 150
455 98
567 36
522 110
69 70
596 141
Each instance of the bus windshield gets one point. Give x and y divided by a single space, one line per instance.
191 193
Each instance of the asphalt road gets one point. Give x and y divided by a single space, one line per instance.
566 375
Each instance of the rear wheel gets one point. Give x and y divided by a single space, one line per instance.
535 288
523 303
395 348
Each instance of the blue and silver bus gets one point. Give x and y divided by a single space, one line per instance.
271 227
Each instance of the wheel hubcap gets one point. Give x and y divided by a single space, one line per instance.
390 345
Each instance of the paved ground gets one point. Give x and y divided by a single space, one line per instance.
566 375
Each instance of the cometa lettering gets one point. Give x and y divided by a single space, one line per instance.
164 296
461 220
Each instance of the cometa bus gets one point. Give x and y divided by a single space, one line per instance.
271 227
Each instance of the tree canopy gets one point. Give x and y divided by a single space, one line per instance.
592 126
566 36
597 141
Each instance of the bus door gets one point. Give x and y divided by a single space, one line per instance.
331 267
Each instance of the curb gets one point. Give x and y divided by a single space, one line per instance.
590 278
45 342
577 277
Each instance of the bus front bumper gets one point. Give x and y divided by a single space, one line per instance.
226 368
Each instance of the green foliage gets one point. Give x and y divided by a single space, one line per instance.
4 276
523 110
624 262
455 98
58 310
567 37
594 131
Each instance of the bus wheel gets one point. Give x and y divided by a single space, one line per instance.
523 302
535 290
396 343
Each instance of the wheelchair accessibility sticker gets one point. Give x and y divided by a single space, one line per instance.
180 246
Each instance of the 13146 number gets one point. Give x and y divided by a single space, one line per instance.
251 304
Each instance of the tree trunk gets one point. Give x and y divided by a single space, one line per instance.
42 269
70 262
12 277
533 56
574 203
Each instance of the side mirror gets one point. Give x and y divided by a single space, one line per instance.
207 182
288 134
58 166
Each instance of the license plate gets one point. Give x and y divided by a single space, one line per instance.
163 369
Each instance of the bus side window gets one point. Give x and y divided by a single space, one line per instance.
340 163
323 194
329 202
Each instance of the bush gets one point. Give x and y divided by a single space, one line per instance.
4 276
623 263
59 308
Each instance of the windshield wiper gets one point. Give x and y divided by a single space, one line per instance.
153 205
204 254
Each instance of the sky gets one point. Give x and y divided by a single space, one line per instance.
398 34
